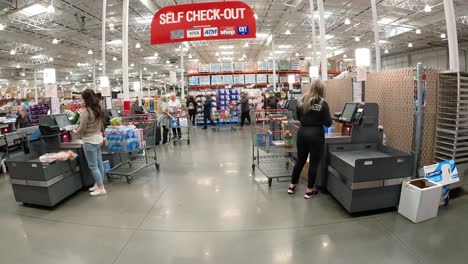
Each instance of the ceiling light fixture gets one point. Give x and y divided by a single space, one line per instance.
50 8
410 45
66 78
217 54
168 62
111 26
114 59
226 47
309 46
246 45
144 69
12 52
132 65
347 21
288 32
418 31
156 54
255 16
90 52
18 66
345 56
190 56
443 36
357 39
138 46
51 59
427 8
297 54
386 51
84 80
2 27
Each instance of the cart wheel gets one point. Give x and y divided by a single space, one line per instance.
188 142
157 166
109 178
173 142
129 180
253 167
287 165
270 180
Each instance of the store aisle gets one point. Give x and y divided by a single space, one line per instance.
206 207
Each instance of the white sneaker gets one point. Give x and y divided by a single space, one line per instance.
92 189
98 192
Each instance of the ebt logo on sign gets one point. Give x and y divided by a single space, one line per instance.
227 31
210 32
194 33
242 30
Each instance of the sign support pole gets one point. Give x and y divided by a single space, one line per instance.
376 36
452 36
323 49
126 90
314 41
274 62
103 46
182 89
35 86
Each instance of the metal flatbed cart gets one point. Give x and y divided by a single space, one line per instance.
146 126
229 120
273 143
181 120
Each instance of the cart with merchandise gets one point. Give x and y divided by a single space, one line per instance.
181 120
228 118
133 141
273 143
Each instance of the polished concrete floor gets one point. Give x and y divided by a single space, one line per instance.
204 206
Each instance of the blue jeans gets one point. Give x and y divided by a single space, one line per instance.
207 117
94 158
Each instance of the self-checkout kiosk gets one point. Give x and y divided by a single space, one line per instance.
363 174
48 183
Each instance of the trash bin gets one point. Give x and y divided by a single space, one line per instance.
419 200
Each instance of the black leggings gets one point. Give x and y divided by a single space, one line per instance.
310 141
245 115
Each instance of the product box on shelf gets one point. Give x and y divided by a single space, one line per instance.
250 79
205 80
215 67
226 67
238 66
239 79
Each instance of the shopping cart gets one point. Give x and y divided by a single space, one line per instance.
228 119
181 121
133 145
273 143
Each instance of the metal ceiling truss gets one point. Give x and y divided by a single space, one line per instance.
413 5
26 48
36 22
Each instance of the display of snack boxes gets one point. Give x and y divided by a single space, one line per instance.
215 67
238 66
226 67
228 79
204 68
204 80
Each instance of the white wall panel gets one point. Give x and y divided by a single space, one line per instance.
434 58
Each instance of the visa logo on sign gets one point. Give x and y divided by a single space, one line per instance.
210 32
227 31
193 33
242 30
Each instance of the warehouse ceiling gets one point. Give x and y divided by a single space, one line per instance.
27 41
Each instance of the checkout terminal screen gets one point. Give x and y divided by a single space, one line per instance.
348 112
62 120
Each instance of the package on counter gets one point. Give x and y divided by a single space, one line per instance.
443 173
62 156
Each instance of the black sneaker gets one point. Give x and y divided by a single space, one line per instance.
204 128
311 194
291 190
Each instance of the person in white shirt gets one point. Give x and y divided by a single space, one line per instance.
174 106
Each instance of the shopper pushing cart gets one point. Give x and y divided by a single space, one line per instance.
175 108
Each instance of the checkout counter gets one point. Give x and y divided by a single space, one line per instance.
48 183
360 172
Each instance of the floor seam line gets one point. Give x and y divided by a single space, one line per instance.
399 240
123 248
152 207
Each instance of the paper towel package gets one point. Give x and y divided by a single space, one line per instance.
443 173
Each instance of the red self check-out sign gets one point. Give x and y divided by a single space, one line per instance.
203 21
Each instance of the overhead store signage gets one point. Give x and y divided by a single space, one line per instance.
203 21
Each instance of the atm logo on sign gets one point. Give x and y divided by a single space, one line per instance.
194 33
210 32
227 31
